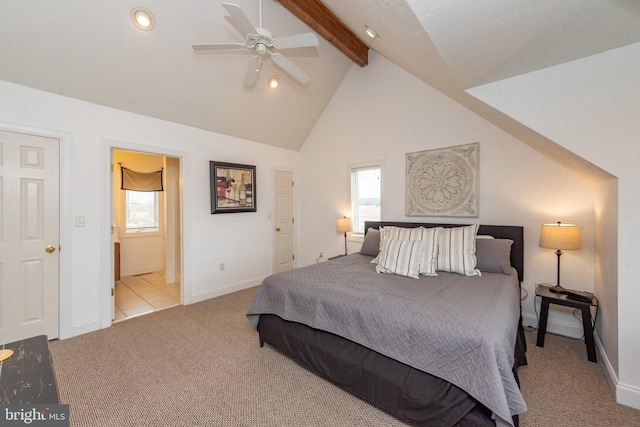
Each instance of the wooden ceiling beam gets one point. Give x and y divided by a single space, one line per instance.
317 16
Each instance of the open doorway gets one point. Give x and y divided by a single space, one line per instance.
146 236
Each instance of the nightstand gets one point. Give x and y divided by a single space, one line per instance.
549 297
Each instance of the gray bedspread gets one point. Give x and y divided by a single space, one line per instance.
461 329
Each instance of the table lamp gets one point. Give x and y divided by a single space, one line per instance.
343 225
559 236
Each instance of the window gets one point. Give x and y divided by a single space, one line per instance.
365 196
141 211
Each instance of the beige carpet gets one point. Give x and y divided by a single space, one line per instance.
562 388
201 365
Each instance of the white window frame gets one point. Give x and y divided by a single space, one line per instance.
355 236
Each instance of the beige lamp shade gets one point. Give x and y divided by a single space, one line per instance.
560 236
343 225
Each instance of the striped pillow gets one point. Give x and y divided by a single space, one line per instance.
400 257
456 251
429 251
428 237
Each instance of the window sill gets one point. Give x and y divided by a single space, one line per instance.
140 235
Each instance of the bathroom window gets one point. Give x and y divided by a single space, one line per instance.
141 211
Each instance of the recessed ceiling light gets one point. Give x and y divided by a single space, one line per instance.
273 82
142 18
370 32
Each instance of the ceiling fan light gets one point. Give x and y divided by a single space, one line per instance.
273 82
370 32
142 18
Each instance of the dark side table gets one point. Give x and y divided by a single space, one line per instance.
28 376
549 297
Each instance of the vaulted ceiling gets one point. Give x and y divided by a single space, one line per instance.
90 50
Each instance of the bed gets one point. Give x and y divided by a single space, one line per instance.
432 350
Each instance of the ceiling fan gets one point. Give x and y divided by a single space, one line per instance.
262 42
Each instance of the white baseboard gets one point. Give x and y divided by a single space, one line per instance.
567 328
224 291
628 395
625 394
609 372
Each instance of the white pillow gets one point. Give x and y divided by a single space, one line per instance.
429 247
429 251
392 232
456 252
400 257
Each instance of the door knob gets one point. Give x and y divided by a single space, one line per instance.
50 248
278 229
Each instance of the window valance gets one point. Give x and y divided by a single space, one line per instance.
141 181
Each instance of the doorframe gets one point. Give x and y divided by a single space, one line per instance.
106 219
294 177
65 285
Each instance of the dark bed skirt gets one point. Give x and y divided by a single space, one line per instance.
408 393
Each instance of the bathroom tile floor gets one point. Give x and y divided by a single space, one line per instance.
143 294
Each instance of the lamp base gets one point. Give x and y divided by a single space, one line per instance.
558 289
345 243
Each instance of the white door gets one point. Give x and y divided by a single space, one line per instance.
284 221
29 236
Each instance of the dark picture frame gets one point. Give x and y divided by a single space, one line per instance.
233 187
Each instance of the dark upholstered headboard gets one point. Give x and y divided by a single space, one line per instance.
515 233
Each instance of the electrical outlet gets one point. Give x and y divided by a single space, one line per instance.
222 266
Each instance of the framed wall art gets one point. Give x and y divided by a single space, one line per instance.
233 187
443 182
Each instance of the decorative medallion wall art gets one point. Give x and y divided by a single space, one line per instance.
443 182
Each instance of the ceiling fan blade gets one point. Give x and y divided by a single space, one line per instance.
241 19
297 40
291 68
217 46
251 77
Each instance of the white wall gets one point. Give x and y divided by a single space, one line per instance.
382 112
591 106
242 241
606 274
